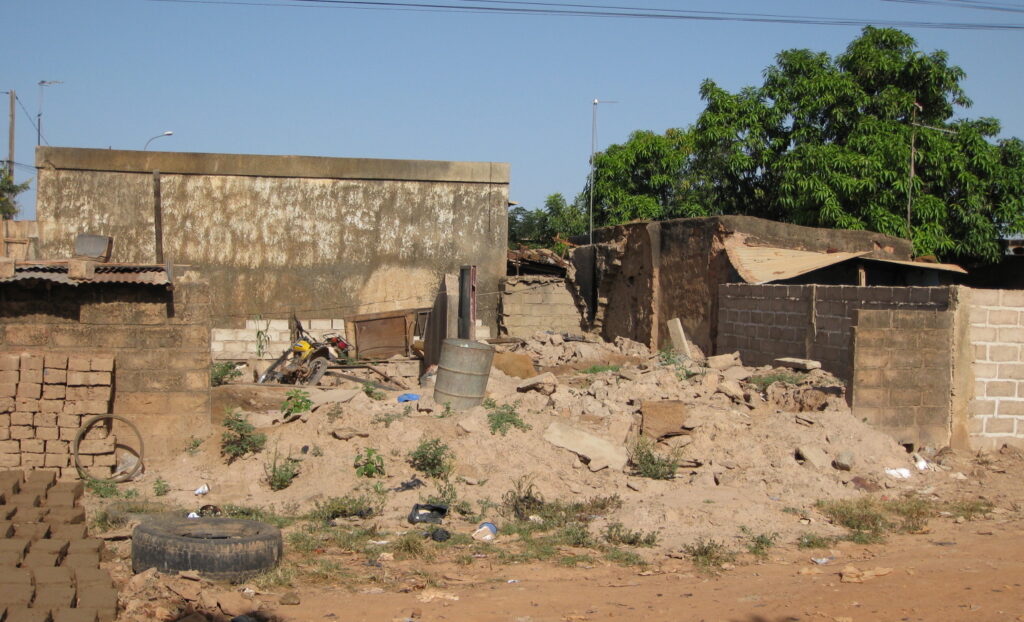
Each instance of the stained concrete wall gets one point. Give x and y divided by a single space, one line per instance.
326 237
538 303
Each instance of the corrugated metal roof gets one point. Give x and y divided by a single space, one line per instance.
946 267
57 272
764 264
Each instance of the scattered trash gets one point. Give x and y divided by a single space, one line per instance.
428 513
202 490
408 397
821 561
920 463
210 510
431 594
440 535
512 581
411 484
193 515
901 473
380 543
851 574
486 532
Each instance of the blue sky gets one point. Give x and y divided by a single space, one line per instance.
426 84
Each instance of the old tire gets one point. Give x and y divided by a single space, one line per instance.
221 549
317 368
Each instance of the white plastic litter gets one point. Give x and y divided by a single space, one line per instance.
900 473
202 490
193 515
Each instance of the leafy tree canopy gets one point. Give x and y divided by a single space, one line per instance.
8 191
558 220
827 142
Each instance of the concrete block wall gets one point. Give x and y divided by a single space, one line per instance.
532 303
902 373
764 322
240 344
997 341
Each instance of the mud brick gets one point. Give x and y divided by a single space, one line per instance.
55 376
79 363
9 377
15 477
10 362
25 500
29 390
86 545
7 511
31 531
81 560
99 446
27 404
54 596
76 488
93 577
69 532
22 418
44 419
95 407
42 479
6 529
31 376
31 361
78 378
69 421
97 433
39 559
10 447
98 378
76 393
5 434
30 515
85 461
15 546
50 545
66 515
26 614
16 576
59 461
55 361
97 597
16 594
102 363
19 432
33 446
98 394
54 391
72 407
31 461
51 407
53 576
100 460
59 499
7 405
8 390
10 460
5 418
54 446
48 434
75 615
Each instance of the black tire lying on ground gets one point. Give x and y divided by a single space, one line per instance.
221 549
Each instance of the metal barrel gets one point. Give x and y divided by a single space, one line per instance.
462 373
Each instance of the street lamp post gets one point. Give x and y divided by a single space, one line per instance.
167 133
593 150
39 115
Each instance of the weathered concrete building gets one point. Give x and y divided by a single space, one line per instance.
321 237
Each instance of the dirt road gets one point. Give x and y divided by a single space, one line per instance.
970 571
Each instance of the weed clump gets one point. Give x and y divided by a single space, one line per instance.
240 437
349 506
709 555
369 463
433 458
763 381
616 533
758 545
296 401
223 373
281 471
161 487
373 392
503 418
648 463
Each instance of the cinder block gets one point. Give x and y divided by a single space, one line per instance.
10 362
102 364
30 361
69 421
67 434
1000 425
99 394
54 360
79 363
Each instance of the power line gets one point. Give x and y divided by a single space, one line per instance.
551 9
965 4
29 116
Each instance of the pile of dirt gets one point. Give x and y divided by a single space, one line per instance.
750 450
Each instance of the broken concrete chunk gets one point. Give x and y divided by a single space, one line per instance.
797 364
723 361
737 373
545 383
334 396
663 418
844 461
731 389
812 456
598 452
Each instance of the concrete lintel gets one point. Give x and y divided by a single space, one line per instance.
244 165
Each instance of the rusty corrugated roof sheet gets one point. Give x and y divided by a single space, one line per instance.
946 267
57 272
764 264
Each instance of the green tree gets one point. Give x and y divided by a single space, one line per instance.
647 178
827 142
565 219
8 193
540 227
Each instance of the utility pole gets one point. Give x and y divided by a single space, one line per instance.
910 180
10 137
39 115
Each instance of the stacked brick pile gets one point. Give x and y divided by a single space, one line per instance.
49 568
43 400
